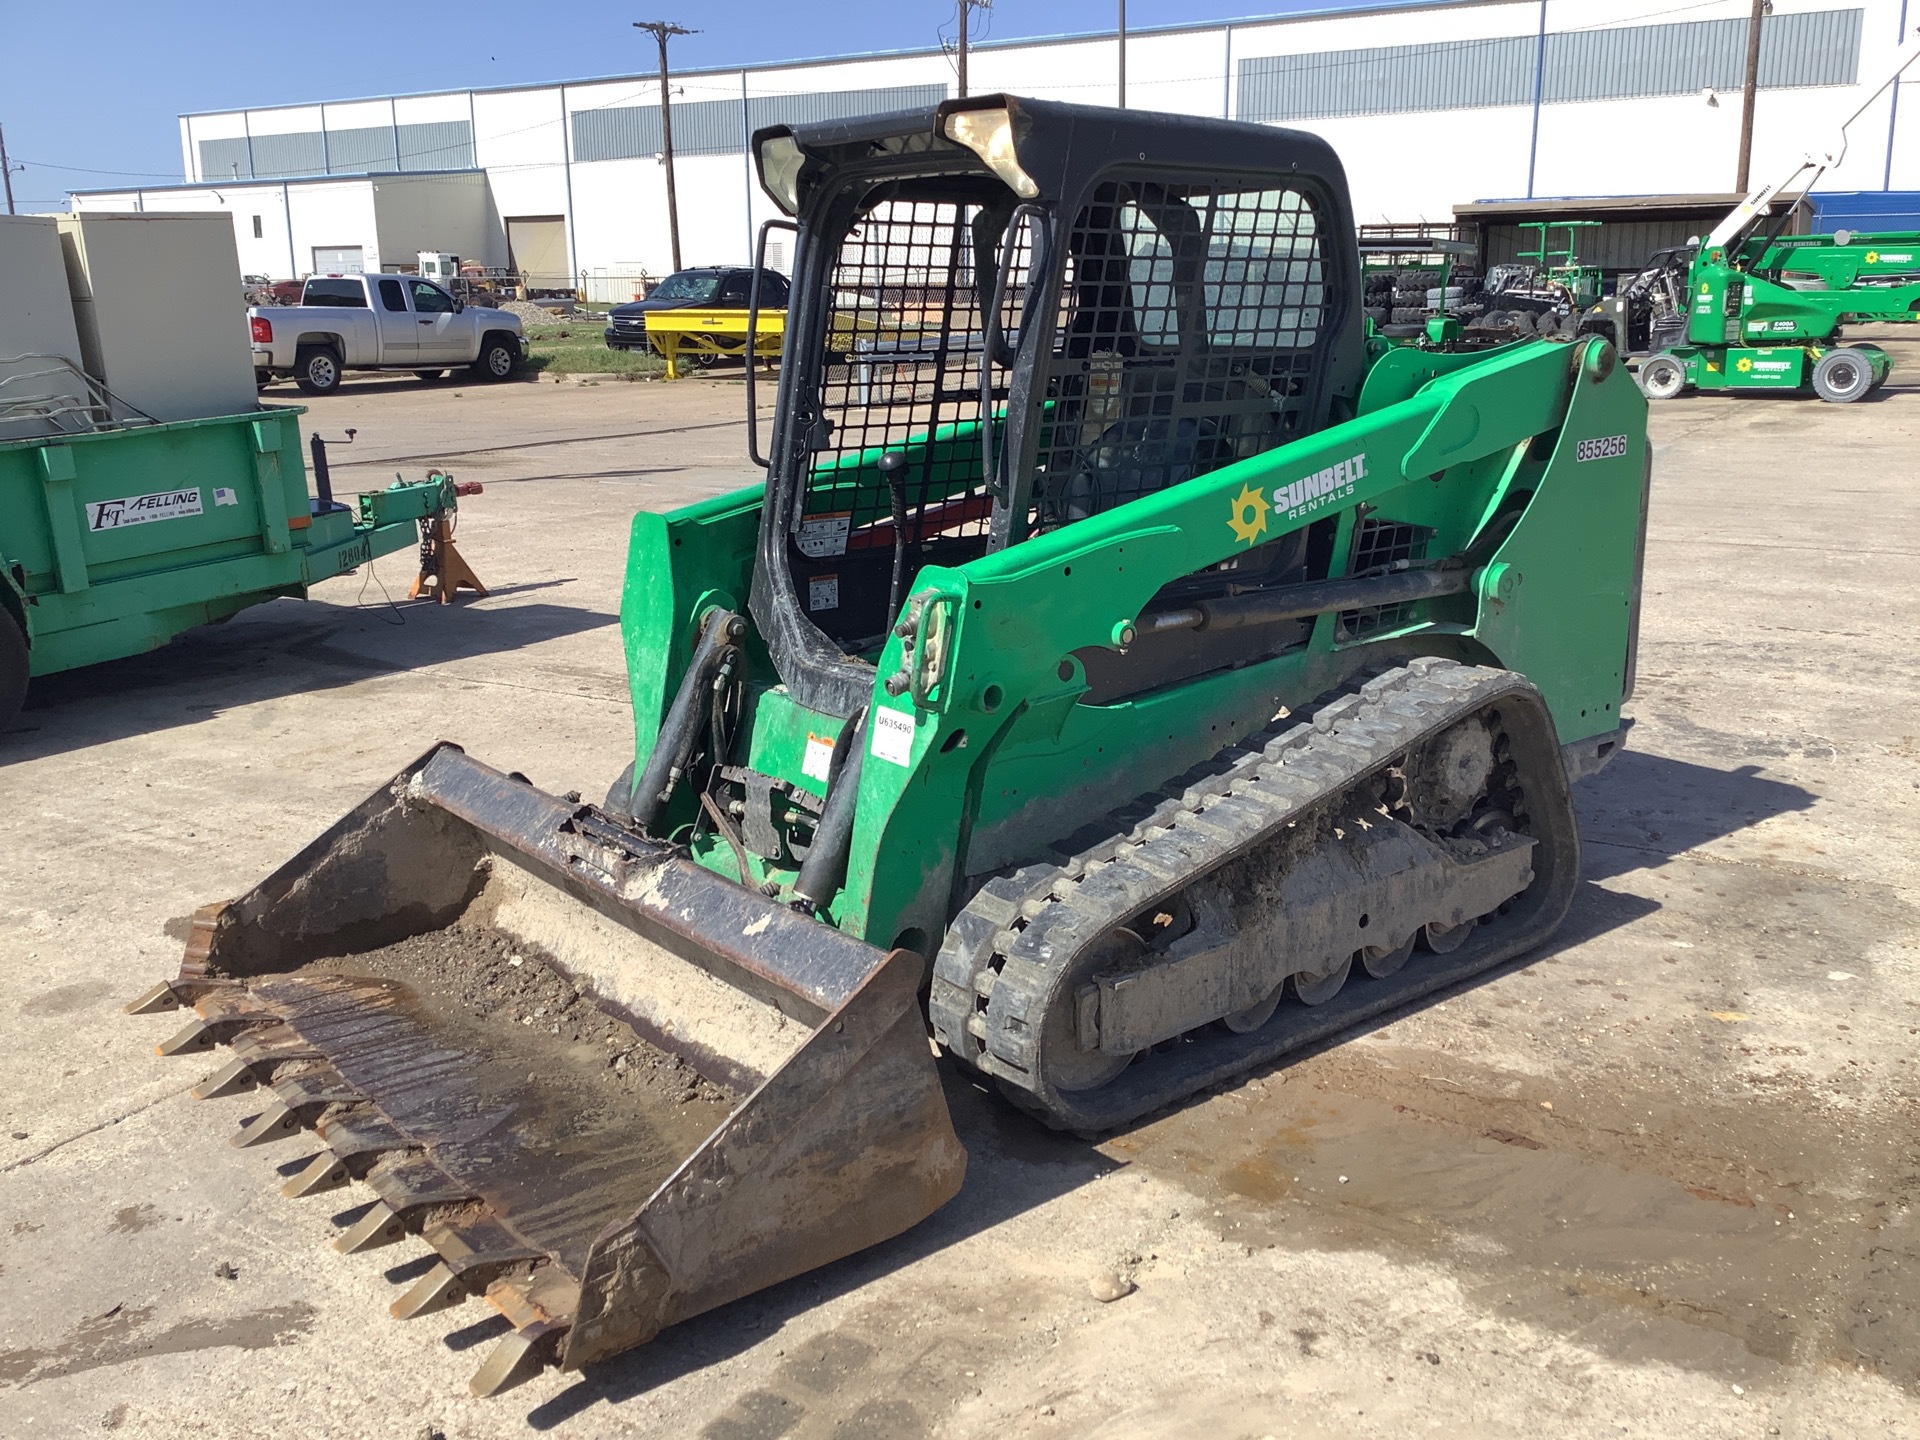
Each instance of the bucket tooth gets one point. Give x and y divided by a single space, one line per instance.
516 1359
220 1027
174 995
382 1225
157 1001
257 1054
192 1038
326 1171
475 1250
439 1289
233 1078
278 1121
300 1103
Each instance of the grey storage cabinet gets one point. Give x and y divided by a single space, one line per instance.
38 395
161 311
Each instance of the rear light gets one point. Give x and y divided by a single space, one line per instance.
262 330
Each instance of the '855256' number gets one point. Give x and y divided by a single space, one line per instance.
1605 447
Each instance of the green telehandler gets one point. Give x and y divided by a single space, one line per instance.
1122 672
1761 310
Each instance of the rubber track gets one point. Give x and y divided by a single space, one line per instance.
1009 943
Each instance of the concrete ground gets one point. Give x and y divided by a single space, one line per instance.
1659 1180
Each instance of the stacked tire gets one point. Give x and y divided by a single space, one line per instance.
1377 288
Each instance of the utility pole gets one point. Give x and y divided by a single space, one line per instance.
1747 88
663 30
6 168
1123 54
967 7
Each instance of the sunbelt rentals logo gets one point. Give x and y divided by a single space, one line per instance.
1247 516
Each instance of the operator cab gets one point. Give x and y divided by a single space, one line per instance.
1014 315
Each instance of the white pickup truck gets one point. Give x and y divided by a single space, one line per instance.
380 322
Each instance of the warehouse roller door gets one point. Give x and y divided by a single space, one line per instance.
339 260
537 251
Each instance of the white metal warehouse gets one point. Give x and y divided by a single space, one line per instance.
1429 105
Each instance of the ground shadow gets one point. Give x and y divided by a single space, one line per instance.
1014 1164
1644 809
281 648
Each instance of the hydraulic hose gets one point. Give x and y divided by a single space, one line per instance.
680 731
825 868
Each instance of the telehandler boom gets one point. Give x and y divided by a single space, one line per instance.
1759 310
1121 671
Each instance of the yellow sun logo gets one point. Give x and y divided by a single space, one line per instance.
1249 518
1743 363
1873 257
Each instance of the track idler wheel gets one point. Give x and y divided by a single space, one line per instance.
1310 989
1445 939
1071 1038
1243 1022
1382 961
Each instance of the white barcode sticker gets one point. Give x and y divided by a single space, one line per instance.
824 536
823 592
893 736
817 763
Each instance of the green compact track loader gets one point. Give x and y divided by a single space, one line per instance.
1122 674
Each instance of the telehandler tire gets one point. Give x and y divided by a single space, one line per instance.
1842 377
1662 377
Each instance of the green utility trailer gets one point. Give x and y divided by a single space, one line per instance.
114 541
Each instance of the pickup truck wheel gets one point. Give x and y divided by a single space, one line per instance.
13 669
316 370
496 361
430 375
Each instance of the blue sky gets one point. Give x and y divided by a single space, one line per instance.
87 89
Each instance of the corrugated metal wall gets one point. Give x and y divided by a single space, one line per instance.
278 155
444 145
1618 245
225 160
716 127
1819 47
361 150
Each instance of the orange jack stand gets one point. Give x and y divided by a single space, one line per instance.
442 569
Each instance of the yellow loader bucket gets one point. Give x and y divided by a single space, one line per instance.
610 1088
